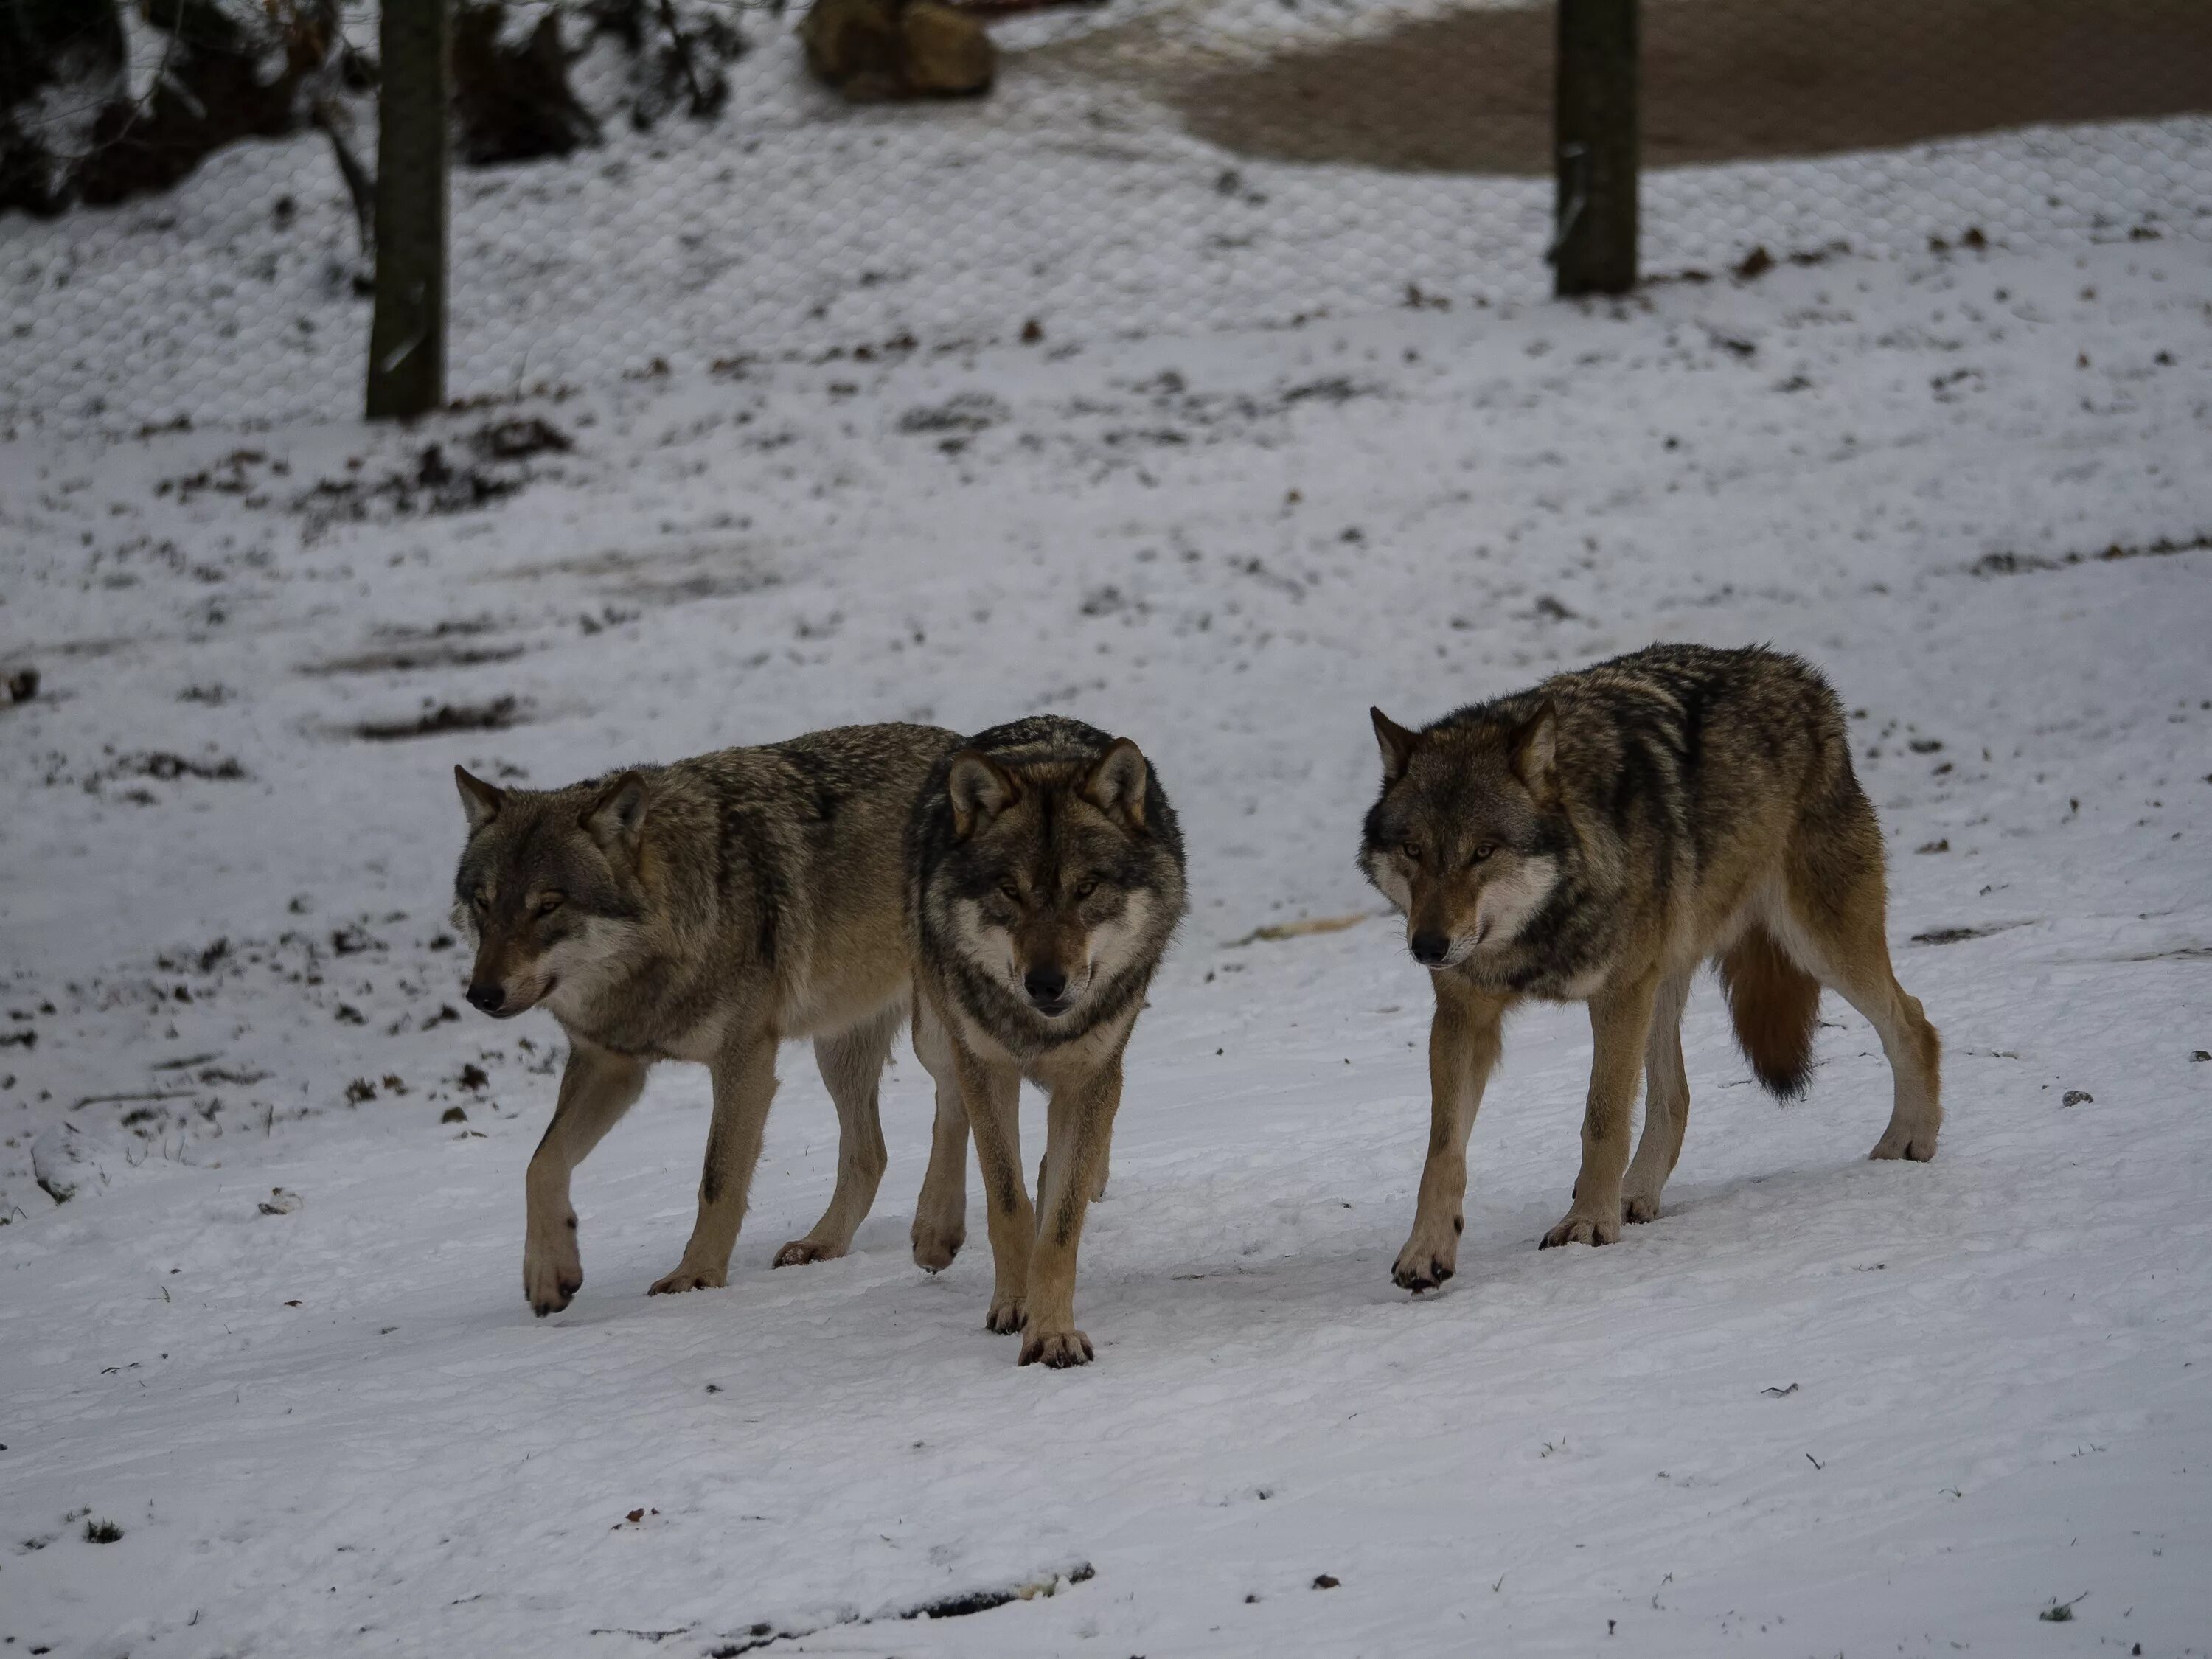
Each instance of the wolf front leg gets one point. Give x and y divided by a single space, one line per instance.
991 1090
1464 1041
1620 1027
744 1085
596 1089
1079 1136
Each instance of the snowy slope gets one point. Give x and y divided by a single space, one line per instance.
796 224
338 1430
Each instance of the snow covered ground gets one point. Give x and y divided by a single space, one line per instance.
1822 1406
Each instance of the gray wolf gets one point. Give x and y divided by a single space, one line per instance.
1044 881
704 910
1596 840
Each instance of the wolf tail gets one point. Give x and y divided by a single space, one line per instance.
1776 1005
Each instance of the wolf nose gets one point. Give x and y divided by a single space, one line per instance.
1046 986
1429 948
487 998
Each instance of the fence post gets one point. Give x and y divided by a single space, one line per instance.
1594 127
407 340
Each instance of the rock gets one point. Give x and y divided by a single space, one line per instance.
67 1162
948 53
871 49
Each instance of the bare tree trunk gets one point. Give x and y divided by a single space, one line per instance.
407 341
1594 118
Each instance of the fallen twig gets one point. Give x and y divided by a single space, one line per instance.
143 1094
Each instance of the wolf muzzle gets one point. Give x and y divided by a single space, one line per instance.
1047 988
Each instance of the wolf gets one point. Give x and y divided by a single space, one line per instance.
1596 840
703 910
1045 877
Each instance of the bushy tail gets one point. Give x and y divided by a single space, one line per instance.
1776 1005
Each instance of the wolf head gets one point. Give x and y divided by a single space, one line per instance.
1056 883
1466 837
547 887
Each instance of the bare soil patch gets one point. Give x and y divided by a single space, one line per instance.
1724 80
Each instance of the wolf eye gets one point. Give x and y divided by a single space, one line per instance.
482 900
550 904
1010 893
1412 850
1084 890
1482 852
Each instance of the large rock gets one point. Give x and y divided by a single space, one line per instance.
871 49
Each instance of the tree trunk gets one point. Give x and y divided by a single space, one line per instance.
407 341
1594 118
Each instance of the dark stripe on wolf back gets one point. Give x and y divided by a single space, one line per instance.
745 838
1694 695
824 796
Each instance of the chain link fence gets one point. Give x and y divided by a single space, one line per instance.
648 185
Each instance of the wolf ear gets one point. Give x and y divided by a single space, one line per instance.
1397 744
1536 750
980 790
1116 783
479 799
615 813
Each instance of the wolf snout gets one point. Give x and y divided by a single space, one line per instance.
1429 948
1047 988
488 999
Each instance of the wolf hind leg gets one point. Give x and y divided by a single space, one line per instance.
744 1088
1666 1104
1835 924
852 1064
941 1212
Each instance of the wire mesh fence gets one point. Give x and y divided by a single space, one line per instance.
646 185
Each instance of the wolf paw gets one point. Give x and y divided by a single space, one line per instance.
1424 1264
1058 1349
1006 1316
1918 1145
552 1272
800 1251
690 1278
1639 1210
1582 1230
935 1246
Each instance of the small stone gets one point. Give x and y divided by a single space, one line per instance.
453 1114
2079 1097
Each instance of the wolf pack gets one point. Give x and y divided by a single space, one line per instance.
1008 898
